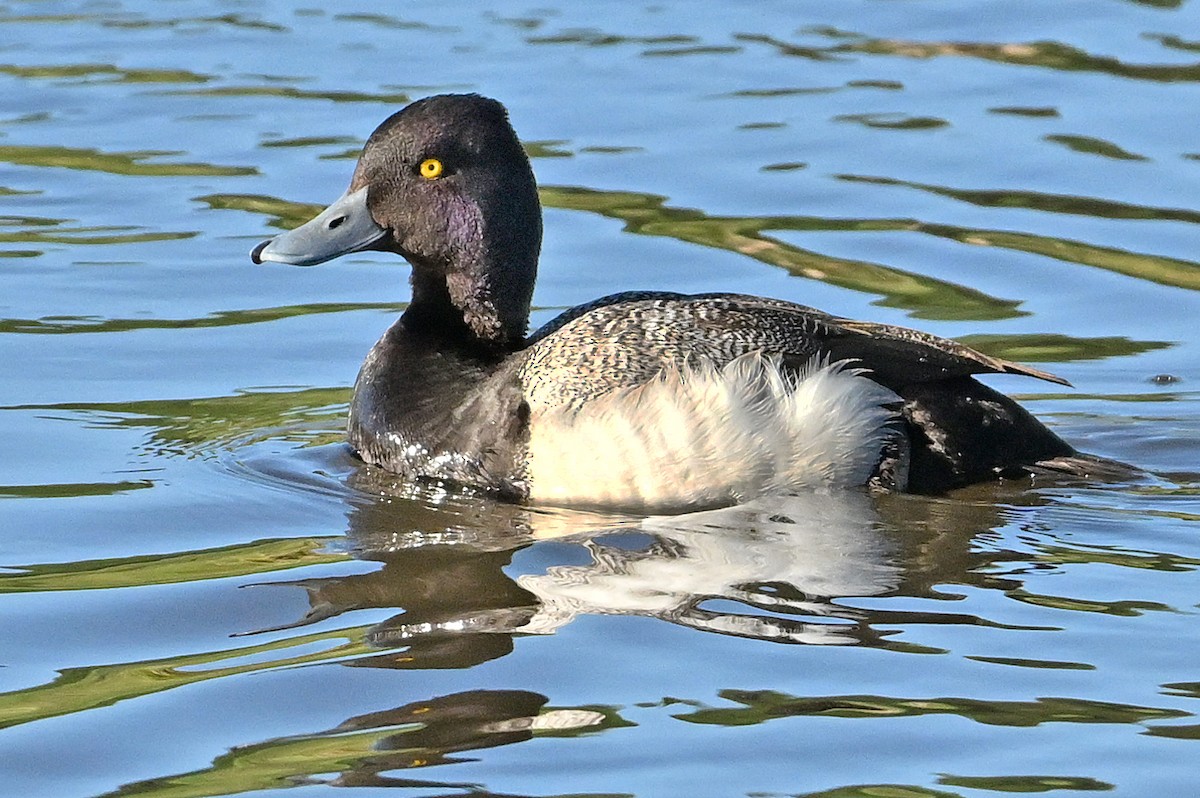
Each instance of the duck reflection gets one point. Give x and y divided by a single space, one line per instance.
772 570
449 596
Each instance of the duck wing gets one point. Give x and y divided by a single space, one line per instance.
625 339
899 354
894 354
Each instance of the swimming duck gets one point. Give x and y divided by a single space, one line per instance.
639 400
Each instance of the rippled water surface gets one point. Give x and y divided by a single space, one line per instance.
204 594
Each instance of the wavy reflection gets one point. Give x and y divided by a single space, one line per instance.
1026 784
647 214
72 490
784 569
456 568
457 607
192 23
924 296
258 558
66 325
1043 54
1169 41
107 72
759 706
1090 145
112 18
42 230
294 93
119 163
1055 348
894 121
1039 201
1038 111
393 22
79 689
211 425
311 141
771 570
593 37
359 751
927 297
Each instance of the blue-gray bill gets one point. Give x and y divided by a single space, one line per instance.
345 226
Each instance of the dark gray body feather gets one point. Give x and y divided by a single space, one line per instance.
441 413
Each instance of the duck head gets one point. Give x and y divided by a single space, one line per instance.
445 184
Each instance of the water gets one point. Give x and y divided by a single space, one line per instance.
204 594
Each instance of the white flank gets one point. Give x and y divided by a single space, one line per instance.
706 437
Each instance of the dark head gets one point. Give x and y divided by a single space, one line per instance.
444 183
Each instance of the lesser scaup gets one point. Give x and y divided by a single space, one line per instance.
646 400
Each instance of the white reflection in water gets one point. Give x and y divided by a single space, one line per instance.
782 554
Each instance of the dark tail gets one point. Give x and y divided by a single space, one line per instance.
962 431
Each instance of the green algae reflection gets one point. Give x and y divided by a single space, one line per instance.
1026 784
1056 348
759 706
71 490
84 688
41 230
197 426
284 214
647 214
1094 146
120 163
1039 201
106 17
291 92
106 72
371 750
1041 54
924 297
880 791
66 325
244 559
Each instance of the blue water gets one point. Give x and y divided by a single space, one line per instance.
202 593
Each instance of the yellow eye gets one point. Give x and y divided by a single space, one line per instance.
431 168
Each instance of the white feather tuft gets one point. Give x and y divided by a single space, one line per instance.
703 436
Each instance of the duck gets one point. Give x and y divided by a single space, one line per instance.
647 401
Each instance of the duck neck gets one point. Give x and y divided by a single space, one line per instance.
483 305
